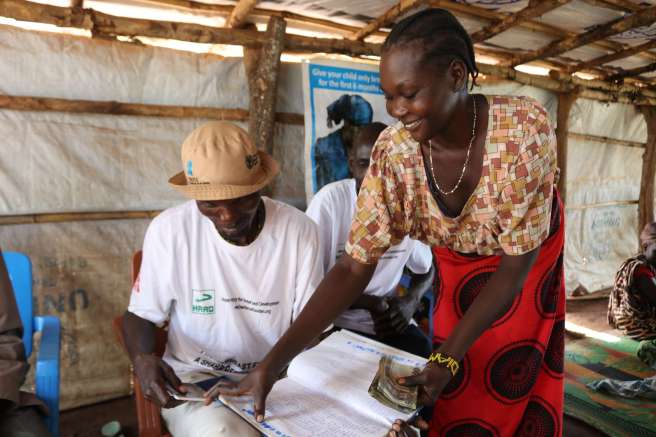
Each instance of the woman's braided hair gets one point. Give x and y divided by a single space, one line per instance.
442 36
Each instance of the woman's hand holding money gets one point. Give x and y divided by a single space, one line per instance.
430 382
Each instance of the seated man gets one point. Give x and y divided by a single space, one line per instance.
229 270
632 303
21 413
380 313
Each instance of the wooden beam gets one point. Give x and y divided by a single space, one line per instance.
633 72
534 9
620 96
264 13
109 26
387 18
646 202
596 62
263 84
602 204
532 25
642 18
105 25
605 140
615 5
22 103
603 85
240 12
565 102
75 217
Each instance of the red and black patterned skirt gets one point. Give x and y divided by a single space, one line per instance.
511 380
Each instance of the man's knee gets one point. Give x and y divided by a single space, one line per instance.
197 420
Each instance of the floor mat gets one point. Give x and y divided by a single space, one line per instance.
589 359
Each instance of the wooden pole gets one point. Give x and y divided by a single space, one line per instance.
633 72
74 217
240 12
263 13
109 26
531 25
623 94
646 202
533 10
263 84
605 140
637 19
616 5
565 102
388 17
596 62
22 103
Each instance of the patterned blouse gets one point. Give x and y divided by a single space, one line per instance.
508 212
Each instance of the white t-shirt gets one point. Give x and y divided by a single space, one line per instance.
332 208
227 305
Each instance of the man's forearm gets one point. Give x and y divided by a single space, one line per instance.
139 334
365 302
419 284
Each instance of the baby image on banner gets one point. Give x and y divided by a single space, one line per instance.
339 97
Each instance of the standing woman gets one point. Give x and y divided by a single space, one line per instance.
473 177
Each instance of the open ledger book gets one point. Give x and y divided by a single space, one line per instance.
325 391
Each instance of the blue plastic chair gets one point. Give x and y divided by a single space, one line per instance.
47 361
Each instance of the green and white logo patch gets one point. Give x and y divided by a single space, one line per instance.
202 301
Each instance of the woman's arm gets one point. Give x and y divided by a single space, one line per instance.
337 291
493 300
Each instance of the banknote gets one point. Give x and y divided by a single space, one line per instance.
386 390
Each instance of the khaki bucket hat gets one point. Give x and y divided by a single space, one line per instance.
220 162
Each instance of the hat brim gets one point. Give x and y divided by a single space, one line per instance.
270 169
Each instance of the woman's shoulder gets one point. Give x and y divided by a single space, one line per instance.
510 104
520 112
394 144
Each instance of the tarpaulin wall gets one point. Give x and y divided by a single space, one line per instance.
56 162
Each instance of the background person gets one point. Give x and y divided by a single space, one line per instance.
21 413
632 303
229 270
380 312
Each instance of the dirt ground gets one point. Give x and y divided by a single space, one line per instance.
87 421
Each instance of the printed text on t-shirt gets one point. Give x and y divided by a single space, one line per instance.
249 305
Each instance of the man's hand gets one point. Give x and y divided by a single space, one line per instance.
257 383
392 316
154 375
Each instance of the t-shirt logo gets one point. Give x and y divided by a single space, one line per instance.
202 301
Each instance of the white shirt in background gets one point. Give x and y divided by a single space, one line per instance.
227 304
333 208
